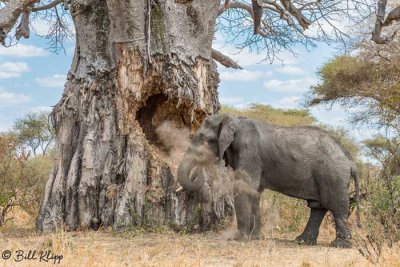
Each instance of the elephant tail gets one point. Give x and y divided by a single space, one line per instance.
354 174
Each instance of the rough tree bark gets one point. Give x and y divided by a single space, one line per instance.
136 64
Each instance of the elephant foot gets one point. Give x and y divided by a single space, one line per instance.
306 240
341 243
254 237
239 236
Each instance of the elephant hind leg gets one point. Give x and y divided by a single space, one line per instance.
334 197
311 232
343 235
339 206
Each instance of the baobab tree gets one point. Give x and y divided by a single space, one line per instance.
136 64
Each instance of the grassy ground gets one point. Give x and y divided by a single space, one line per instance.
167 248
135 248
162 247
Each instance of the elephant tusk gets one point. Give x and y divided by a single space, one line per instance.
179 189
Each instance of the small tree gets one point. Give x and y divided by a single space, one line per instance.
15 186
355 81
34 131
386 151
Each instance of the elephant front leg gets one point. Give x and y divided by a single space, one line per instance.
311 232
247 216
247 208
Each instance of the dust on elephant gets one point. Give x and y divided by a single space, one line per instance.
301 162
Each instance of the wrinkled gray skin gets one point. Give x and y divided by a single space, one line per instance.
301 162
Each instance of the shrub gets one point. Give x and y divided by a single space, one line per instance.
276 116
21 179
382 218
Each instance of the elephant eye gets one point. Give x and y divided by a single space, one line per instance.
198 138
212 141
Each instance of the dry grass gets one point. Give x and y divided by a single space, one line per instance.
282 117
167 248
170 249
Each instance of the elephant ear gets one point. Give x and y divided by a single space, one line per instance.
228 127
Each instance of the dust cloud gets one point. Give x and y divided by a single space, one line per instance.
242 184
270 216
218 179
221 181
269 206
176 140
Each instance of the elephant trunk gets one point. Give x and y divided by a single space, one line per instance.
190 176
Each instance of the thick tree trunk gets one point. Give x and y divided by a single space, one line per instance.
136 64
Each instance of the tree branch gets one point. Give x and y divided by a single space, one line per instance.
306 6
23 27
15 9
48 6
381 22
289 7
226 3
250 9
274 6
224 60
376 34
392 16
10 13
257 15
235 5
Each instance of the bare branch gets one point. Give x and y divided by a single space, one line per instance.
256 8
224 60
235 5
10 13
47 6
23 27
274 6
303 21
305 6
380 15
20 10
392 16
3 36
226 3
381 22
257 15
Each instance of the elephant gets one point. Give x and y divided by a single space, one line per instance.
304 162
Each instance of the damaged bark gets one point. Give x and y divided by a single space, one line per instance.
136 64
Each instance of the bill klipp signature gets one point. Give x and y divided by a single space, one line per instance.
32 255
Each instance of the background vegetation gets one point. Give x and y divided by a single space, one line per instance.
368 82
25 163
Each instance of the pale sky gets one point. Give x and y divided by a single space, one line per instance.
32 79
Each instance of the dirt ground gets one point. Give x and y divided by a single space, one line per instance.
162 247
139 248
